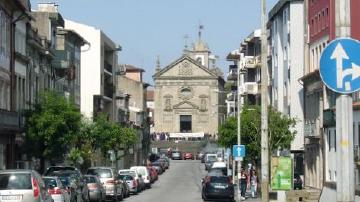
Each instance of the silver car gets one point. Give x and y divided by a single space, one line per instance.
22 186
56 189
114 190
96 189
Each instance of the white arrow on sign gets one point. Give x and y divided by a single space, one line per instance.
339 54
239 151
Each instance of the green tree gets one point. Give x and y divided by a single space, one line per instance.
51 127
281 132
104 135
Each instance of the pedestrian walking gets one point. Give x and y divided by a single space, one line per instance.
253 183
243 182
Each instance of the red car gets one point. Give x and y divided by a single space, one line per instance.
153 174
188 155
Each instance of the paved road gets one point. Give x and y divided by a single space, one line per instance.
181 183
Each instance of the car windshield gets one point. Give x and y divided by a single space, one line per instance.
15 181
102 173
126 177
212 158
65 180
90 179
219 179
141 171
51 182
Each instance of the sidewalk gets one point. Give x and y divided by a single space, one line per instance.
248 196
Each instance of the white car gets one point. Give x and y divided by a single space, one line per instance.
145 174
136 175
219 164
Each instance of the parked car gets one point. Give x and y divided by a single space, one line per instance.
136 175
108 177
74 184
153 173
176 155
56 189
158 167
298 183
166 162
188 155
96 189
218 187
76 176
131 183
23 185
144 172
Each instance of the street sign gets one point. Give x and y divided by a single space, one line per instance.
340 65
238 152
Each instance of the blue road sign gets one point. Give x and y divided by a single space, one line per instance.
238 151
340 65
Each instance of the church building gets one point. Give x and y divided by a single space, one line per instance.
189 95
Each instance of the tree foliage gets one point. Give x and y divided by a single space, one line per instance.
281 132
51 126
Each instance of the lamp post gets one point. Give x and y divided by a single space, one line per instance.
264 109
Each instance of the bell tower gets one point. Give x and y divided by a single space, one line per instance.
200 51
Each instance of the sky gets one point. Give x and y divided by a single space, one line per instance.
149 28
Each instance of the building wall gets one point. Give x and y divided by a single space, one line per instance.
287 56
91 62
134 76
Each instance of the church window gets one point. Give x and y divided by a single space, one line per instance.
185 92
199 60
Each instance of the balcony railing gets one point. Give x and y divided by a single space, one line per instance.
109 91
9 120
250 62
250 88
108 67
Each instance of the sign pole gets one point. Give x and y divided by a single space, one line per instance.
344 117
239 127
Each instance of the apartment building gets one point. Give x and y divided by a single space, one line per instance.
98 62
286 64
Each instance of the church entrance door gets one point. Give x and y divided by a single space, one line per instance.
185 123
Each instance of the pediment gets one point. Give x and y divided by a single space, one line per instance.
186 105
185 67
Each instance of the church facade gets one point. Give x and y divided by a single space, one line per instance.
189 94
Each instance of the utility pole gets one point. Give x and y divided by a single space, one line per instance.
264 109
238 124
344 118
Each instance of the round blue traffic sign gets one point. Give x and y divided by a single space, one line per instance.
340 65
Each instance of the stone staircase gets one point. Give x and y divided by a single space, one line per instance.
306 195
184 146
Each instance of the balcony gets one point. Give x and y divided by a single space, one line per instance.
9 120
108 68
250 62
232 75
108 90
249 88
311 130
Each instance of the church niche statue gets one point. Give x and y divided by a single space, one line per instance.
203 105
167 104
